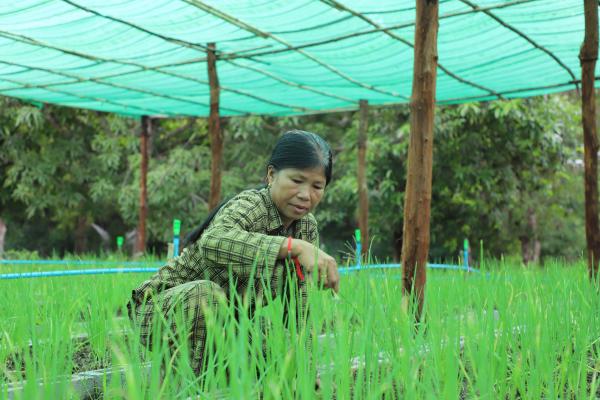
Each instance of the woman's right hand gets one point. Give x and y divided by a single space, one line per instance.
312 257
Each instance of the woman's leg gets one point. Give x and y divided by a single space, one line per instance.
193 300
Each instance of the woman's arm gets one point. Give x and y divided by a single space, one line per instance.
230 240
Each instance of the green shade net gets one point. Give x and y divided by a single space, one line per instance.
148 57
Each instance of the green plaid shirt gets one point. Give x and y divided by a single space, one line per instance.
243 239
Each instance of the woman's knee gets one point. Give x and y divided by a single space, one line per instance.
199 295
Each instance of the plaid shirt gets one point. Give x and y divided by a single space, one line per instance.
243 239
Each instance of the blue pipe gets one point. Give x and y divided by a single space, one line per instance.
102 271
80 262
97 271
366 267
390 266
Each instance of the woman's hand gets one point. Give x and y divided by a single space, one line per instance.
310 257
327 272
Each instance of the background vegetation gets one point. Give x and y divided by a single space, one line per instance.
507 173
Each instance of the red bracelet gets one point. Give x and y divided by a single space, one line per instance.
295 259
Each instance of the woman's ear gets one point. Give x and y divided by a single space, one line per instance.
270 173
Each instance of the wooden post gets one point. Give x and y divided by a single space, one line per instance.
2 235
588 57
417 201
140 246
214 130
363 194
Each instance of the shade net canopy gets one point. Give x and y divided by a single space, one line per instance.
149 57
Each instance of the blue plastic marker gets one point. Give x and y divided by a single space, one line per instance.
466 254
176 230
358 247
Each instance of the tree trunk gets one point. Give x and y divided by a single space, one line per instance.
81 235
363 194
588 57
2 235
140 246
417 201
214 130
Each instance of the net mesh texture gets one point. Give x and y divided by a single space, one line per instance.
148 57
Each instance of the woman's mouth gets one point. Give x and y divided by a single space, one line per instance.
299 209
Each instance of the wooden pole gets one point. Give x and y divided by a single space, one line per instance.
588 57
417 201
214 130
2 235
140 246
363 194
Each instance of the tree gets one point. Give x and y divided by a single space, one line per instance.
491 161
499 160
62 166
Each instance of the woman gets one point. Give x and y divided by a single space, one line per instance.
249 237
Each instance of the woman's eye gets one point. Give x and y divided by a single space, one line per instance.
318 187
297 180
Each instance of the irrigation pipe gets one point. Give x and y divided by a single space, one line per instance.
102 271
81 262
95 271
355 268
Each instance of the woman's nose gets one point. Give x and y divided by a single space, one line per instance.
303 194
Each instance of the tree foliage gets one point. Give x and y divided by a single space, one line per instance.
496 165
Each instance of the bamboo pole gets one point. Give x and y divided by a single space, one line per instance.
363 195
146 126
417 202
2 235
588 57
214 130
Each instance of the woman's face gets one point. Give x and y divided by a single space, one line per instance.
296 192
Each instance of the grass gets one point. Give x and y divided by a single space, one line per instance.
515 333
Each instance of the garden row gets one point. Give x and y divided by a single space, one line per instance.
514 333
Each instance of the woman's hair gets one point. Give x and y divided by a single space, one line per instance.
302 150
294 149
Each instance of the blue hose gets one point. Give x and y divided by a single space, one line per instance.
80 262
367 267
97 271
394 266
102 271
